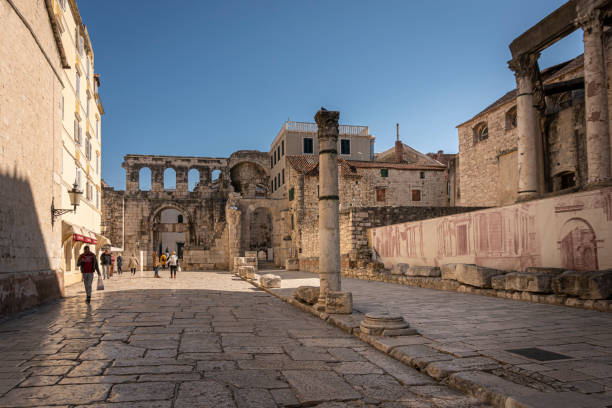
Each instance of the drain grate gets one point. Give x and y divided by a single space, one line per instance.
538 354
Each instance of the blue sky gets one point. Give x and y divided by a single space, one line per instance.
207 78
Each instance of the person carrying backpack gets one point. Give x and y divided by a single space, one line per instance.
88 263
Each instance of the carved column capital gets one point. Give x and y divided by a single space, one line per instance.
590 21
327 121
524 65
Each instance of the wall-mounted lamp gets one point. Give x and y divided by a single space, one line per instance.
75 196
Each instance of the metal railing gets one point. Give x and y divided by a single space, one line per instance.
306 127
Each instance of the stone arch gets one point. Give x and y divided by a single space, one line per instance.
248 178
578 245
511 118
193 178
174 236
170 178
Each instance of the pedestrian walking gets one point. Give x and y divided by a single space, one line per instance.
88 263
156 265
163 258
119 264
173 262
106 261
132 264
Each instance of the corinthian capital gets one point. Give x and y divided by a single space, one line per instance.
327 121
524 64
590 21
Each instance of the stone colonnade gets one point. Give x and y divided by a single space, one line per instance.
529 102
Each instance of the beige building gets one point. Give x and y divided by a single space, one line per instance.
31 63
81 111
300 138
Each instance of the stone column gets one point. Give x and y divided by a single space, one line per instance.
525 70
329 226
596 100
234 225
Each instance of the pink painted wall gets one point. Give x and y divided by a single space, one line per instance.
572 231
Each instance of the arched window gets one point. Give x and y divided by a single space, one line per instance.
481 132
511 119
144 179
180 218
216 174
193 179
169 179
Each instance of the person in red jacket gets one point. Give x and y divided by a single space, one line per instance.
88 263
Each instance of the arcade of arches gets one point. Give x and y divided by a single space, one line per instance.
210 209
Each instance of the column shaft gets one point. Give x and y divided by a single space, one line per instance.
596 102
329 228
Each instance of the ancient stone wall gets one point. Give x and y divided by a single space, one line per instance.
113 215
571 231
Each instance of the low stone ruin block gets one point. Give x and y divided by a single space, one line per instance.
270 281
339 302
475 275
246 272
292 264
399 269
428 271
529 282
307 294
585 285
449 271
498 282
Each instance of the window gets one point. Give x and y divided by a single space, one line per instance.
77 132
278 153
275 186
422 174
180 218
380 194
283 177
308 148
88 98
416 195
481 132
97 164
282 147
272 185
275 156
88 148
63 4
279 181
384 172
97 128
78 84
78 180
271 161
345 146
87 62
511 118
87 192
291 194
97 199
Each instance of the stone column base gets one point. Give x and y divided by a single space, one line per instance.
385 324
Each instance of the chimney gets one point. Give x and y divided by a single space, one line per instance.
399 147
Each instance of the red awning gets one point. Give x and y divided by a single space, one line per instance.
83 238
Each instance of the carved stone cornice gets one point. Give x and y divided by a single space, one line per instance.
327 121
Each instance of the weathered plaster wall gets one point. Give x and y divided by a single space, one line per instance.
30 152
573 231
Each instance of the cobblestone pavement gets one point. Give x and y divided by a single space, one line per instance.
203 340
474 327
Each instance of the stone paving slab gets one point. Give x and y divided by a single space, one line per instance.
461 332
206 339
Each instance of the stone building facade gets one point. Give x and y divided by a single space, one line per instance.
382 185
551 135
31 62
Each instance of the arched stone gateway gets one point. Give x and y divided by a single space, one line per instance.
191 215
